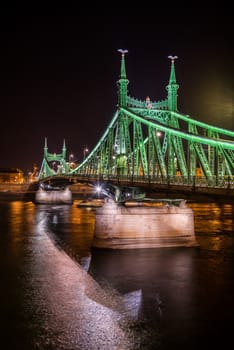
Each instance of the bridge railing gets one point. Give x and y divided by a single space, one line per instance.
195 181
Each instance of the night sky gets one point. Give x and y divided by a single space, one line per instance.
58 74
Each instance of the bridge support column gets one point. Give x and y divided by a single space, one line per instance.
120 227
54 196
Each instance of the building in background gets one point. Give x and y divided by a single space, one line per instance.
11 175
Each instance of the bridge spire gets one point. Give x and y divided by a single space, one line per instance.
123 81
172 87
64 149
45 148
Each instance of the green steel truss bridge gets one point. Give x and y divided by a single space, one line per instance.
150 142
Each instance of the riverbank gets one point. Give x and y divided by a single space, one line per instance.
12 192
27 192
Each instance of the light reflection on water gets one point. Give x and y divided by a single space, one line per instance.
162 298
212 218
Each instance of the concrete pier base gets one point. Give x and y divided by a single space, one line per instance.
53 197
120 227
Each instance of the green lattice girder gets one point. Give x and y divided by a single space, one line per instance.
147 154
49 158
131 145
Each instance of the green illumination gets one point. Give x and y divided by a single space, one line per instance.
155 142
201 139
51 159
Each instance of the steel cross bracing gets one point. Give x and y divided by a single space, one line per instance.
152 140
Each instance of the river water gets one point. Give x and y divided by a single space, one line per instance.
58 293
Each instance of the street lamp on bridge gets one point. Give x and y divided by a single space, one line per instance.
86 150
71 161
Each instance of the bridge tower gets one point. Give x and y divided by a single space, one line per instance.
172 87
54 163
120 138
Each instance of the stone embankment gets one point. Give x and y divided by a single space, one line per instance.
27 191
13 191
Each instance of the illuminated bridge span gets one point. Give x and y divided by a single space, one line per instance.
150 142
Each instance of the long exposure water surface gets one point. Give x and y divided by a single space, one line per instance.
57 293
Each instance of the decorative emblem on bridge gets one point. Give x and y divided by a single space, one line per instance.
173 58
122 51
